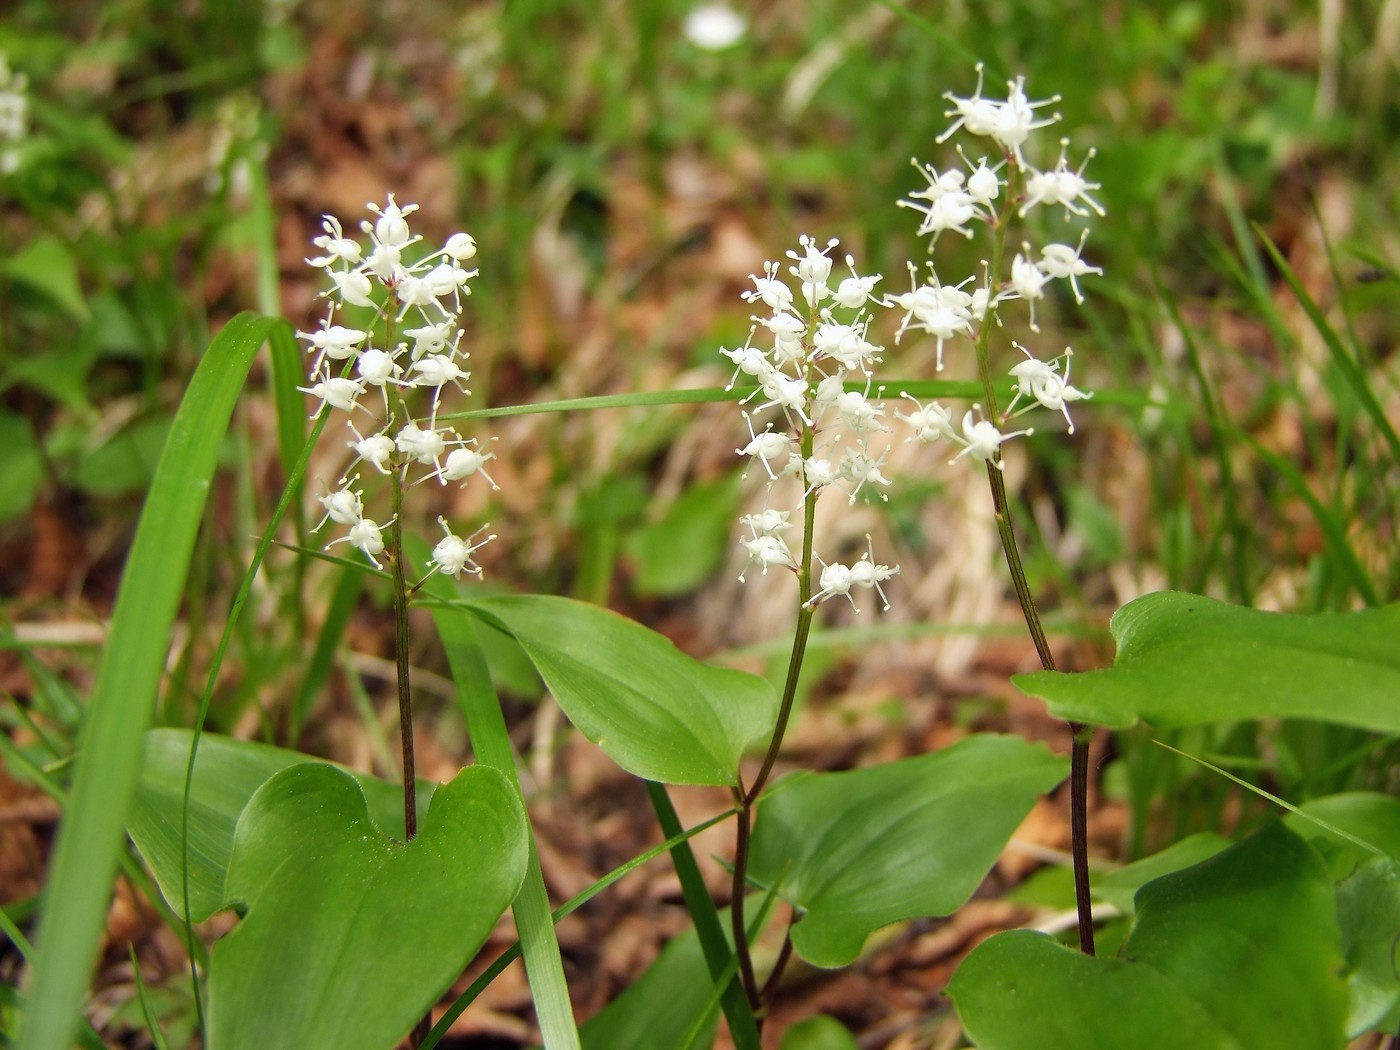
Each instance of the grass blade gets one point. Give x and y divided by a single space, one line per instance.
128 679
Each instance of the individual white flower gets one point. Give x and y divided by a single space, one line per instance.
1062 186
861 468
766 550
338 247
714 26
768 522
1027 281
460 246
1015 118
343 506
769 289
765 446
942 310
368 536
432 338
453 555
839 579
982 440
1042 382
335 391
334 341
975 113
929 422
1061 261
465 461
391 228
376 450
855 291
983 185
422 446
749 360
949 207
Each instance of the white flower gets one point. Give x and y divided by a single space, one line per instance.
930 422
453 555
1027 281
463 462
714 26
335 391
365 535
861 467
1062 186
1062 261
376 450
343 506
769 289
765 446
982 440
765 550
1042 381
838 579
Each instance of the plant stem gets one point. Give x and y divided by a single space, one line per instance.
1001 506
746 800
410 792
1079 749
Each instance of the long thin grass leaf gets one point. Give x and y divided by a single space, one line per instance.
128 679
491 742
719 954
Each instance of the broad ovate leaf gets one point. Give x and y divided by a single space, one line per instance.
1186 660
1241 950
656 712
854 851
351 935
226 774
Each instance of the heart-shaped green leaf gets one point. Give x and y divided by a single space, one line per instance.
1185 660
226 774
656 712
1241 950
350 935
858 850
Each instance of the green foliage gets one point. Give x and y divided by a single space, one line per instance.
108 764
306 855
1239 950
1186 660
656 712
857 850
227 773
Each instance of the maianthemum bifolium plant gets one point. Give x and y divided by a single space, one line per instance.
360 904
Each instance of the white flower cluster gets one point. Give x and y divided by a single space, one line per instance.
14 114
952 201
347 361
813 366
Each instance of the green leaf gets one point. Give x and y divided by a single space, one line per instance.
1119 887
226 774
47 265
1241 950
819 1033
858 850
21 469
656 712
128 679
1368 911
1368 815
351 935
1186 660
661 1007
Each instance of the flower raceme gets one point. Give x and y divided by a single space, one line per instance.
993 195
418 296
811 416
